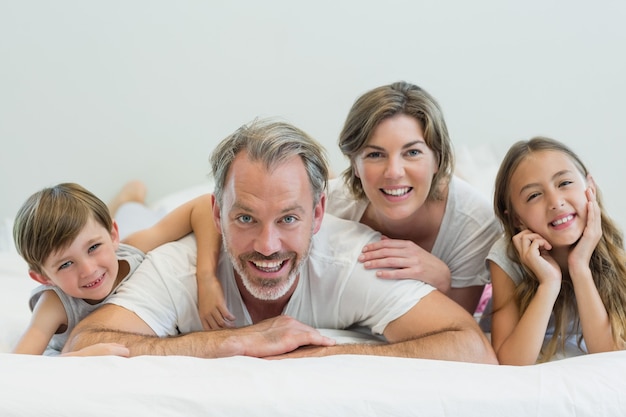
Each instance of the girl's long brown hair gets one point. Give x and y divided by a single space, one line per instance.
607 264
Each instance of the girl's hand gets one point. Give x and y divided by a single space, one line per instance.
212 307
580 255
533 251
407 261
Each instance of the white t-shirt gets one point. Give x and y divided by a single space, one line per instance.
76 308
334 290
467 231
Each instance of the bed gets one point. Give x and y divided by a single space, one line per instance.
346 385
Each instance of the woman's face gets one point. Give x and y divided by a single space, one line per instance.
396 167
547 192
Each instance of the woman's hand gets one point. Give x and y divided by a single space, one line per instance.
406 260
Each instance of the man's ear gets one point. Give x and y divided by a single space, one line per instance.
217 218
40 278
318 213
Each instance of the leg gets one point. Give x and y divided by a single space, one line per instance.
132 191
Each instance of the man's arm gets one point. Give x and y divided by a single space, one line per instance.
435 328
114 324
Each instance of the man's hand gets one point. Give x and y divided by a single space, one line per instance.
279 335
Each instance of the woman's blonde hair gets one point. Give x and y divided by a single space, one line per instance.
608 261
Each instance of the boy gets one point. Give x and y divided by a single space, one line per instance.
72 247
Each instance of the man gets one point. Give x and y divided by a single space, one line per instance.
284 267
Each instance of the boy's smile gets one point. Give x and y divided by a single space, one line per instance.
87 268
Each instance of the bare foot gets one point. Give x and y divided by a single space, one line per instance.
131 191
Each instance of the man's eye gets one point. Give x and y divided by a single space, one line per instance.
245 219
289 219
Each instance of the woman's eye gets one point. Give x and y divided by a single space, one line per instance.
565 183
374 155
414 152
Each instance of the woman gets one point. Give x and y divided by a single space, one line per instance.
436 227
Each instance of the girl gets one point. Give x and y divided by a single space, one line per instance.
560 268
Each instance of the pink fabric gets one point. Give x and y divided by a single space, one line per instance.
484 299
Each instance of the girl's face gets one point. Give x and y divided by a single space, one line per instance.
547 193
396 167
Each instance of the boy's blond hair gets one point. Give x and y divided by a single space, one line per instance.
52 218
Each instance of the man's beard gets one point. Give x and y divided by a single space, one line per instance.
267 289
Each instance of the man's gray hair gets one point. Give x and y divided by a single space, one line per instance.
271 142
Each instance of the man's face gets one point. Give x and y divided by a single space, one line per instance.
267 220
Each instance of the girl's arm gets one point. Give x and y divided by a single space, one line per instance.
594 318
197 216
518 340
48 317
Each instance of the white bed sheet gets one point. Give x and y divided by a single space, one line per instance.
590 385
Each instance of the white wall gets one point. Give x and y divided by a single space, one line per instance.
102 92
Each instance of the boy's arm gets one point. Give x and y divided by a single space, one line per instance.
192 216
48 316
211 304
197 216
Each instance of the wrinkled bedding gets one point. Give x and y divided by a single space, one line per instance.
347 385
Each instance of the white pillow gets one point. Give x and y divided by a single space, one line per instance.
16 287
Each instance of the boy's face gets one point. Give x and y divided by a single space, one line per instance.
86 269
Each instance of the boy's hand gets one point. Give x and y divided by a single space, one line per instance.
212 308
101 349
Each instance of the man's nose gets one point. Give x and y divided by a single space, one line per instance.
268 240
